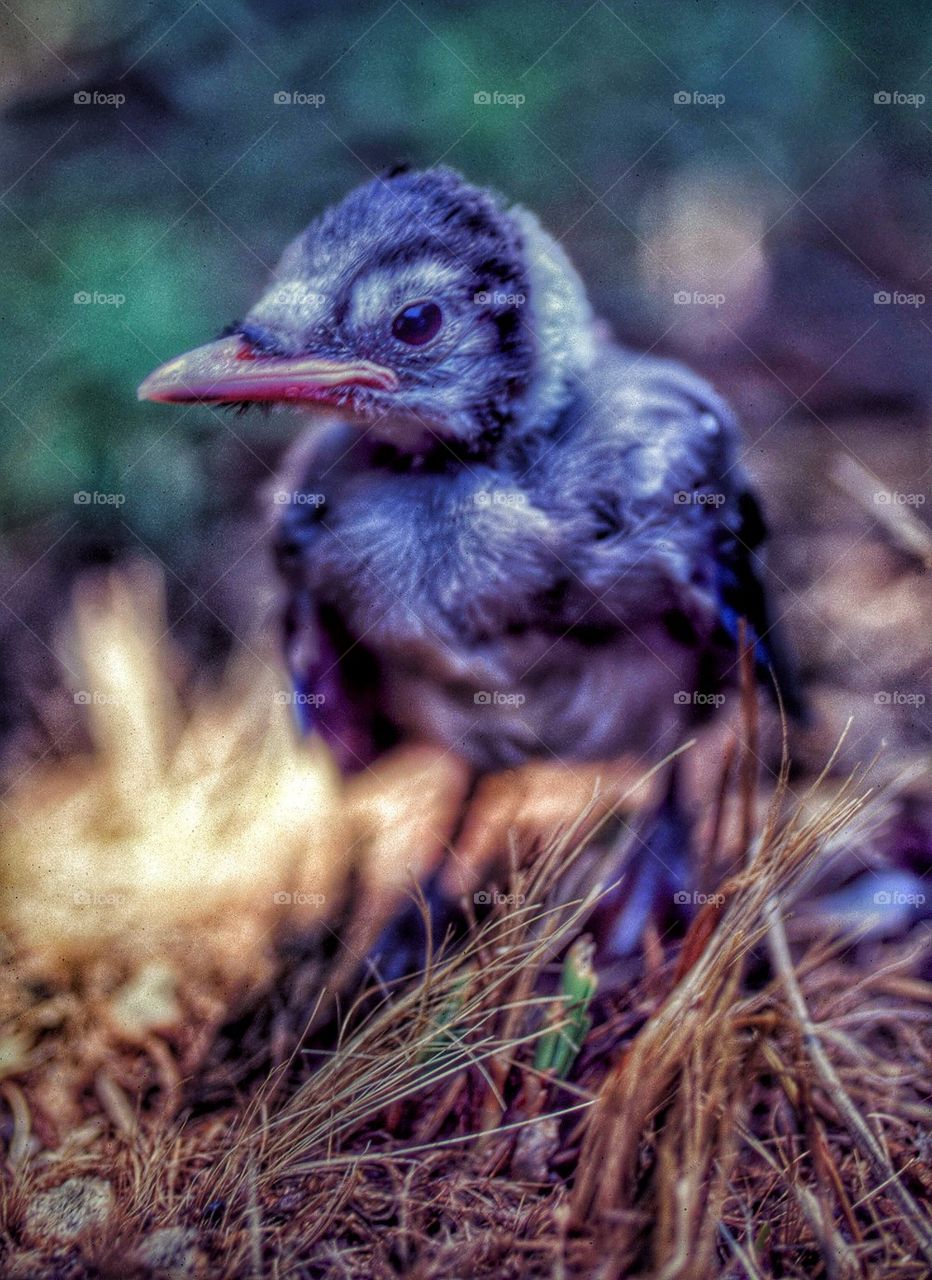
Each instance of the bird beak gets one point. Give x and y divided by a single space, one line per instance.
229 371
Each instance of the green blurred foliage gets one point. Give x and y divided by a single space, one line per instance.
181 198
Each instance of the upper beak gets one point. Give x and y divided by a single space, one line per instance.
227 371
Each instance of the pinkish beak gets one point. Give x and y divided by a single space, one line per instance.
227 371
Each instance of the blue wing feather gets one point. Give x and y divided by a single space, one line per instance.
741 595
336 684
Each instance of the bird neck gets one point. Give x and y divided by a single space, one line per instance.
561 325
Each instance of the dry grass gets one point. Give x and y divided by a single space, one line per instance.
751 1099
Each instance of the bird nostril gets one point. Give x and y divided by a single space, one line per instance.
260 342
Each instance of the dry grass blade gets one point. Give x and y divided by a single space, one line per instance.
868 1144
412 1044
704 1008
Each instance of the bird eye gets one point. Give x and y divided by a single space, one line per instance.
417 323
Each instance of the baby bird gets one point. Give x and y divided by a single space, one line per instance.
505 534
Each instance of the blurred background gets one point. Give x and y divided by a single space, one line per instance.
744 185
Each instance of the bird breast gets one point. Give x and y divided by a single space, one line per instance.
465 589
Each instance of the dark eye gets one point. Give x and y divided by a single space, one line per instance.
417 323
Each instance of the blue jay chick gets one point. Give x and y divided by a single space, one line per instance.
517 539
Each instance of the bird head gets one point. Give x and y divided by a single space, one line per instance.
419 307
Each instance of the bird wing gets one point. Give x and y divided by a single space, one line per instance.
741 574
336 683
335 676
664 456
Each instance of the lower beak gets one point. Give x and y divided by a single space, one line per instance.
227 371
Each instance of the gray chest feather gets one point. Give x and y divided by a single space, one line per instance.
429 567
509 602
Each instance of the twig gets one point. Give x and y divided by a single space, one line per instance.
898 519
741 1254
